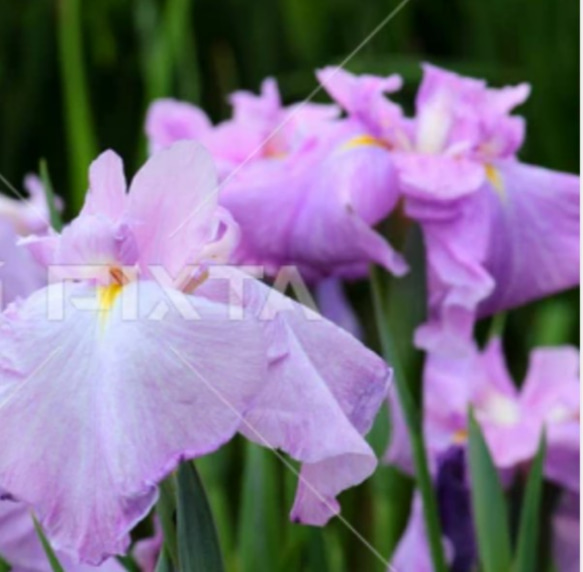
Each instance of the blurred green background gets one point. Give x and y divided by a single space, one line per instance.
221 45
76 77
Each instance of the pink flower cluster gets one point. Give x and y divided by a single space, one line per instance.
180 348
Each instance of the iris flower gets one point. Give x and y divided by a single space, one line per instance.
132 360
498 232
301 194
512 419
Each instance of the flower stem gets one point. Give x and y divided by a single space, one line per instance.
413 421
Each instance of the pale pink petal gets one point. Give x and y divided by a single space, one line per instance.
172 200
21 547
107 187
323 392
98 408
169 121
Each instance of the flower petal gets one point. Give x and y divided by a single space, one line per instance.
107 187
169 121
21 547
171 205
534 236
97 409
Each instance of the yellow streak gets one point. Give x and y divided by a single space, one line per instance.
362 140
493 175
107 296
460 436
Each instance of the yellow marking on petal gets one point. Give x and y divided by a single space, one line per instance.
107 295
493 175
364 140
460 437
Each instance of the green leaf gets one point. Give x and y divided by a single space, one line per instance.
164 563
166 510
259 525
4 566
55 216
412 416
81 137
51 557
198 543
528 532
488 504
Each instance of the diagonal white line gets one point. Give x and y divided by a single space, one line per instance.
286 463
289 117
25 199
19 385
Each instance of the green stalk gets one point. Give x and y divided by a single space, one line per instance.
80 133
413 421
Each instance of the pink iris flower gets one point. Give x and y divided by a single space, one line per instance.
300 191
135 357
512 419
498 232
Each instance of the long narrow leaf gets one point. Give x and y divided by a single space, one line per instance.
164 563
488 504
51 557
81 138
528 534
56 221
166 510
258 522
198 543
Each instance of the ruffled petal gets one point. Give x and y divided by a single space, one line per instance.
534 236
354 189
323 393
171 205
97 408
21 547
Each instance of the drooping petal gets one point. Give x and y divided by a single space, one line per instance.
21 547
107 187
323 392
551 394
98 407
169 121
171 205
355 188
437 177
456 237
534 236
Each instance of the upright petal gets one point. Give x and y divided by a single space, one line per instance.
169 121
97 408
171 205
107 187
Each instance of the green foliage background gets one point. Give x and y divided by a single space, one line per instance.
200 50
